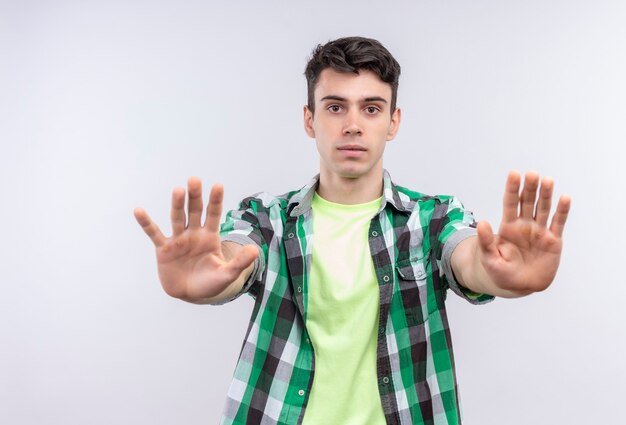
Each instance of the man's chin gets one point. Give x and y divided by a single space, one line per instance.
352 173
349 174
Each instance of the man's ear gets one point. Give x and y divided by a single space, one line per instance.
395 124
308 122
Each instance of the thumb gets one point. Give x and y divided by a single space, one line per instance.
243 259
486 239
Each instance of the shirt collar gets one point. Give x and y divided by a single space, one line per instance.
301 201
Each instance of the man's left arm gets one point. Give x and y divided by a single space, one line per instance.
523 257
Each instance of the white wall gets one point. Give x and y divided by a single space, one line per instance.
106 106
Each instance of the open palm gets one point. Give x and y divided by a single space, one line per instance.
525 254
193 263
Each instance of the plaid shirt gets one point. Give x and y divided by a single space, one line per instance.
411 240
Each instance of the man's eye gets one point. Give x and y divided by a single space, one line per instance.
372 109
334 108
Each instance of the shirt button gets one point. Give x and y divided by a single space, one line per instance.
385 380
386 278
290 235
374 233
301 392
299 288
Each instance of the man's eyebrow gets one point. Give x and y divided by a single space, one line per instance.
343 99
375 99
334 97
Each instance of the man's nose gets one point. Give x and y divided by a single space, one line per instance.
352 124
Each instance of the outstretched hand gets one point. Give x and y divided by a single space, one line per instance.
193 263
524 255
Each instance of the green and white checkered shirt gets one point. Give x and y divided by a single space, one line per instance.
411 240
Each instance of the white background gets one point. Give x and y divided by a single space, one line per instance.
105 106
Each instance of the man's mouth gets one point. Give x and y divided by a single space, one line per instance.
351 148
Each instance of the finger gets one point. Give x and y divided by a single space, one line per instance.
149 227
560 216
214 208
486 238
194 191
529 195
244 258
544 203
511 197
177 215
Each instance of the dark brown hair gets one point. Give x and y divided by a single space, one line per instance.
351 54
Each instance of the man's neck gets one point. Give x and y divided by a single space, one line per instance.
350 191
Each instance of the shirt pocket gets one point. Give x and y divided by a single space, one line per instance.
416 290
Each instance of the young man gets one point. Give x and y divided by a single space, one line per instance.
350 273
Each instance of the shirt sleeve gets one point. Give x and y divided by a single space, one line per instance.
243 226
458 225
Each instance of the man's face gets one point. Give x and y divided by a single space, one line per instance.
352 123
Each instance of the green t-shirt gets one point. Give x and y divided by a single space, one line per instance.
342 316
